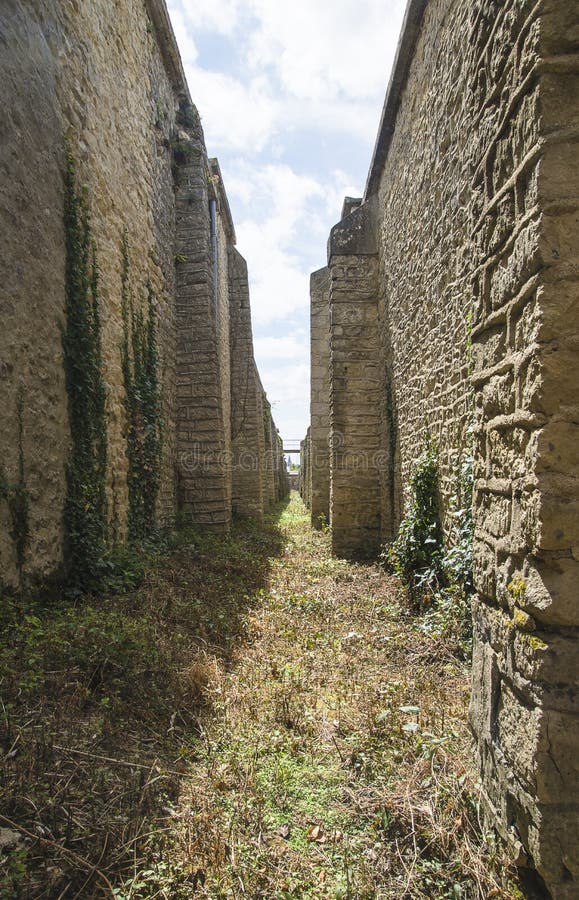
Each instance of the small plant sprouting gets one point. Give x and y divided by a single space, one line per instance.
188 116
183 151
438 574
324 524
416 554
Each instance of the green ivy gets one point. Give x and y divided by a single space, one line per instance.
438 573
140 365
416 553
85 512
18 499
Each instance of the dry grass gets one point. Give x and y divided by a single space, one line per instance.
99 706
278 727
336 760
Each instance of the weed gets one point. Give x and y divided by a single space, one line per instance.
437 572
100 706
140 365
416 554
334 760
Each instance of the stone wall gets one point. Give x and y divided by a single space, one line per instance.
203 483
453 308
247 428
105 79
525 229
113 99
320 396
355 396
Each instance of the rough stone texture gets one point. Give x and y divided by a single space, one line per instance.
108 77
203 488
320 397
247 412
225 240
282 483
355 395
525 351
92 72
32 268
474 294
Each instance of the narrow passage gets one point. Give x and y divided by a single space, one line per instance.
334 757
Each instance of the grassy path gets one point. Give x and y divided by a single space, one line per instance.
240 717
333 758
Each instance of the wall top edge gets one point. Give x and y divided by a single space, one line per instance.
355 234
167 41
404 55
322 274
222 196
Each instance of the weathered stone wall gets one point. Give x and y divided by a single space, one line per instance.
525 706
467 317
106 77
247 444
282 481
320 396
425 256
92 72
225 240
294 481
202 440
355 395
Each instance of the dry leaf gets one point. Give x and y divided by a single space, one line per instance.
284 830
316 833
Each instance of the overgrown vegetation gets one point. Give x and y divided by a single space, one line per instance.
437 572
336 762
188 115
257 720
416 554
100 712
140 364
85 511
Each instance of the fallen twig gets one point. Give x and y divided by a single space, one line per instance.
84 863
117 762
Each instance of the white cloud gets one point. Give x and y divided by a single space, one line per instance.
219 17
184 35
285 363
292 346
301 67
281 201
235 115
337 188
288 390
322 52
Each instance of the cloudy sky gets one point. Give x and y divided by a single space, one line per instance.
290 95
